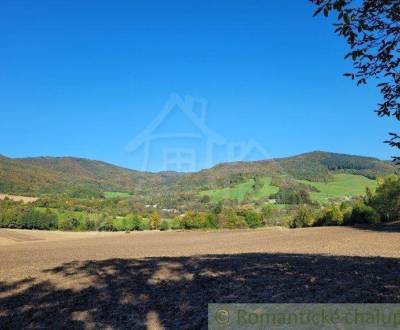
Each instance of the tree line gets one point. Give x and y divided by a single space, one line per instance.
381 205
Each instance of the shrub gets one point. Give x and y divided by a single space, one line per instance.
95 221
211 220
252 218
89 224
267 212
386 199
331 217
68 223
289 195
205 199
363 214
274 216
175 224
108 225
10 216
303 218
35 219
132 222
346 208
228 218
193 220
137 223
217 209
164 225
154 221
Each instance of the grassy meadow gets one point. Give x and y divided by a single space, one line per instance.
342 185
242 191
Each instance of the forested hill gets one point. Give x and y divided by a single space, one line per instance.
313 166
318 165
77 176
46 175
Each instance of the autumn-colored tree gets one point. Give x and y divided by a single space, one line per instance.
154 221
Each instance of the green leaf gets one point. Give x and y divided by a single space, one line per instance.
346 18
318 11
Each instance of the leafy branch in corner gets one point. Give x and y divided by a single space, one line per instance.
372 30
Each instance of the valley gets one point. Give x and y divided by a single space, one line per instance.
74 194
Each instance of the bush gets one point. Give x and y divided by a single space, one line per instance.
228 218
11 217
346 208
175 224
68 223
205 199
303 218
108 225
88 224
18 215
386 199
275 216
193 220
252 218
211 221
289 195
267 212
331 217
35 219
363 214
164 225
97 219
132 222
154 221
138 223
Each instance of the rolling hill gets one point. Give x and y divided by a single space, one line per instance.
342 185
46 175
77 176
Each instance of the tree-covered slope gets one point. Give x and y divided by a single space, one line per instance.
319 166
66 174
44 175
314 166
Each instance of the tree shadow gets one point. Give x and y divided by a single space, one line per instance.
393 227
174 292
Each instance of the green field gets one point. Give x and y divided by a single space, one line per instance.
115 194
343 185
237 192
242 191
266 190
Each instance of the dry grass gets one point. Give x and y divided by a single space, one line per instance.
153 279
16 198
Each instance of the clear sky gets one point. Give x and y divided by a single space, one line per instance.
84 78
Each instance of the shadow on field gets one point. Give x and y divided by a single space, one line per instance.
174 292
382 227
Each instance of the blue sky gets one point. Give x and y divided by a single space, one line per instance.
83 78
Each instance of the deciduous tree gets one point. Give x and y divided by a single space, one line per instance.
372 30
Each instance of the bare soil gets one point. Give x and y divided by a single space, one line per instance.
166 279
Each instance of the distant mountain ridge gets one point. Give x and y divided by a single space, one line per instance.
312 166
49 175
36 175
